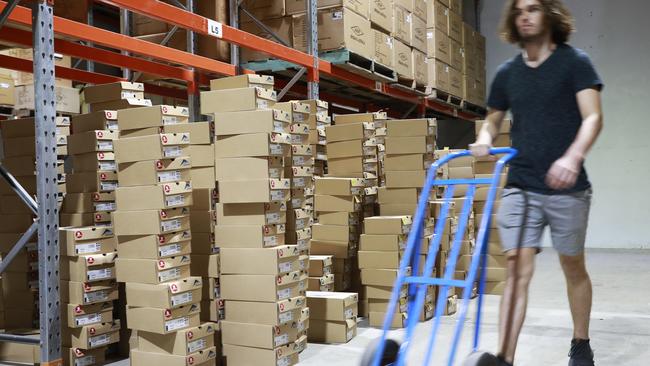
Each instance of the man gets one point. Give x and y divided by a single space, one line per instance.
553 93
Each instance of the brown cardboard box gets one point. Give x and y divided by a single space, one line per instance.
381 13
278 260
258 335
153 147
200 132
269 313
332 306
155 116
456 55
238 169
121 104
339 187
405 179
281 27
438 75
92 336
7 91
202 156
438 46
151 221
168 295
420 68
420 9
205 357
81 315
88 293
387 225
383 292
456 6
243 81
261 121
91 182
113 91
406 4
253 145
89 268
338 218
383 48
78 356
369 242
89 202
251 213
411 127
341 233
338 28
332 331
379 260
354 166
419 34
437 15
184 342
455 27
249 236
254 191
265 9
91 162
347 132
206 265
239 355
264 288
337 203
155 246
403 25
153 172
26 146
341 119
409 145
242 99
163 321
407 162
22 127
86 240
379 277
160 196
456 83
376 319
153 271
403 60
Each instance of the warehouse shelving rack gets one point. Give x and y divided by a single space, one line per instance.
40 29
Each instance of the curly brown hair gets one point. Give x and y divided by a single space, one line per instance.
556 16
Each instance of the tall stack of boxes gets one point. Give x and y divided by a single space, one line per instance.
318 120
321 274
474 74
333 316
262 284
410 44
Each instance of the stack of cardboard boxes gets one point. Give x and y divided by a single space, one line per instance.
474 74
484 168
318 120
444 38
321 274
333 316
261 281
410 44
114 96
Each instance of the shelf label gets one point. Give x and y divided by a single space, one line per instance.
215 29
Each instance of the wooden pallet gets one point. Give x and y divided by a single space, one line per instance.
473 108
445 97
410 85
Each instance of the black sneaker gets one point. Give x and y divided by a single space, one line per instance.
581 353
502 361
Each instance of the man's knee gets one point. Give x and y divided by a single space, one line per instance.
574 268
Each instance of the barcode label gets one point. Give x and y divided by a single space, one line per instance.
298 117
196 345
273 218
129 95
111 125
284 267
281 339
173 176
285 317
107 165
262 103
181 299
99 340
175 200
279 127
107 186
85 361
299 182
100 274
349 314
88 319
299 160
172 151
270 241
105 206
278 195
170 274
171 225
175 324
87 248
169 250
284 294
275 173
276 149
171 120
105 145
95 296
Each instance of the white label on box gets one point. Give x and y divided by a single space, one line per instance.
196 345
303 244
111 125
170 274
279 127
175 324
107 165
172 120
169 250
284 267
107 186
349 314
284 361
95 296
270 241
171 225
89 248
105 206
262 103
276 149
297 202
281 339
100 274
275 173
285 317
356 190
284 294
99 340
299 182
175 200
337 15
105 145
88 319
128 95
215 29
273 218
85 361
173 176
172 151
181 299
278 195
302 285
300 160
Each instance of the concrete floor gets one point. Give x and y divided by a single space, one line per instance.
620 330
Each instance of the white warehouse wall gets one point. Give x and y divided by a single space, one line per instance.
616 36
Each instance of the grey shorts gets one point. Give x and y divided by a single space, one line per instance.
566 215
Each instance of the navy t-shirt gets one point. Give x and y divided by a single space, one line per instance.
545 112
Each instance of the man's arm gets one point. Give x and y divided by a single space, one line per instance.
564 172
488 133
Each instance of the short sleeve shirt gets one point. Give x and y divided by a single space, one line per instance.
545 113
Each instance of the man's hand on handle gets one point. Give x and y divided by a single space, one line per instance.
480 150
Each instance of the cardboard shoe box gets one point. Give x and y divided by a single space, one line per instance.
251 191
242 81
154 116
163 321
93 336
89 268
155 246
152 147
240 355
324 203
87 240
249 236
258 335
233 100
410 145
278 260
91 182
239 169
253 145
201 132
256 121
411 127
113 91
151 221
405 179
402 24
379 260
84 293
346 233
408 162
339 187
252 213
200 358
332 331
92 162
81 315
168 295
153 271
102 120
155 197
78 356
268 313
438 45
152 172
184 342
379 277
390 243
332 306
387 225
263 288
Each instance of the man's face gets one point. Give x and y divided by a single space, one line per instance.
530 19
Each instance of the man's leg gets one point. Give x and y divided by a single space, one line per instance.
520 272
579 290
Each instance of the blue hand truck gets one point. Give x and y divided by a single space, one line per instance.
389 352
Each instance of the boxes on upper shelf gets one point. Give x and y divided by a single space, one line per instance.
113 91
242 81
232 100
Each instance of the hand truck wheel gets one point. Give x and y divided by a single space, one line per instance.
391 348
